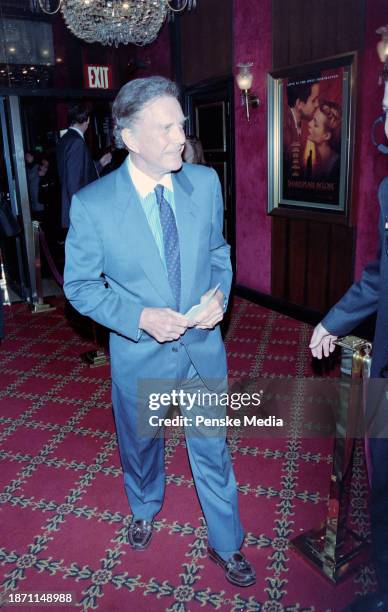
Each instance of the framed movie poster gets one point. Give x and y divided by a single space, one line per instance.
310 121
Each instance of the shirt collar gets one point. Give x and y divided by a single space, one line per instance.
143 183
77 130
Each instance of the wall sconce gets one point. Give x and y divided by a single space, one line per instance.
244 79
382 51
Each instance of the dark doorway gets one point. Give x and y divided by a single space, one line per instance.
209 107
44 119
14 275
33 124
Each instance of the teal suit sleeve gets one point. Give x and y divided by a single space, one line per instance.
84 285
221 269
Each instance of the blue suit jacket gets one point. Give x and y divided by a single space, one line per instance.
368 295
109 235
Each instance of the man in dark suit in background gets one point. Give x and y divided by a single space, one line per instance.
370 295
76 167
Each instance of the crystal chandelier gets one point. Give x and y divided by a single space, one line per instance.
111 22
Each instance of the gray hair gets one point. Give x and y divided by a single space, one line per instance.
132 98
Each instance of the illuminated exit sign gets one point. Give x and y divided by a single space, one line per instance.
98 77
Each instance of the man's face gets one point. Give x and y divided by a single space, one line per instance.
157 138
308 108
43 167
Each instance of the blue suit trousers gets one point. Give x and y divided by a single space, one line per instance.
142 456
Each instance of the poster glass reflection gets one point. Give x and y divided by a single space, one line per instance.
310 127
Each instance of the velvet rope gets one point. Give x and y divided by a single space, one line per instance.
49 258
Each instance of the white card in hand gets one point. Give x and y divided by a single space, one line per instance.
198 308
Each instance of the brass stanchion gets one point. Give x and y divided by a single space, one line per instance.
39 305
3 284
95 357
333 548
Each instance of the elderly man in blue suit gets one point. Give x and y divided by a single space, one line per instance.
368 296
145 245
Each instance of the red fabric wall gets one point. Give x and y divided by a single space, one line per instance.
252 43
370 166
156 56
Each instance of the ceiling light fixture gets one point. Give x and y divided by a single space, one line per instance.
111 22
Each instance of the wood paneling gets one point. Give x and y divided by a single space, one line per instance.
319 251
312 262
306 30
341 255
317 264
279 257
297 259
206 41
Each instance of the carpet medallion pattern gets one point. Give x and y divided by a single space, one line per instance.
64 513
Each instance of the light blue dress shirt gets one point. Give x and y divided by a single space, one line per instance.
145 186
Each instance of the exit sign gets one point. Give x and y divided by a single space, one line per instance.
98 77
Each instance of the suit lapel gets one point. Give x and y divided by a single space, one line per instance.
186 214
136 232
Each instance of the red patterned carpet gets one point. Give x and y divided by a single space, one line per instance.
63 510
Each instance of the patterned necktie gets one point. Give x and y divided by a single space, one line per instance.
171 244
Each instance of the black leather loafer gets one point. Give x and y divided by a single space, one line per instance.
140 534
237 568
372 602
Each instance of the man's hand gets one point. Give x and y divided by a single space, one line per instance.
322 341
105 159
163 324
212 314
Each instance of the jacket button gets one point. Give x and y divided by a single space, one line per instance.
174 349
